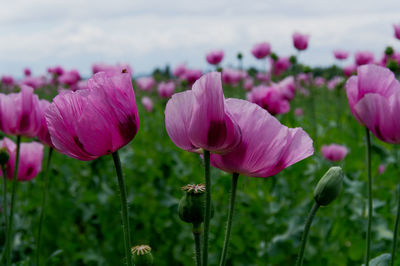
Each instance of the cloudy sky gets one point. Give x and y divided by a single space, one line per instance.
147 34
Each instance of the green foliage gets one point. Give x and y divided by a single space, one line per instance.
83 225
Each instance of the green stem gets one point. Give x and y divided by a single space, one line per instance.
3 168
9 239
235 177
307 226
207 213
396 229
42 209
124 207
197 242
368 158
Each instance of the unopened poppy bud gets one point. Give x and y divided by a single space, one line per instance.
393 65
239 56
307 69
293 59
4 156
329 187
142 255
389 50
274 56
191 206
219 69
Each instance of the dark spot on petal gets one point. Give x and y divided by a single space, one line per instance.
29 171
128 128
24 123
216 133
378 133
78 143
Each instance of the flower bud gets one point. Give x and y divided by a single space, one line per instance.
142 255
329 187
4 156
191 206
293 59
239 56
307 69
274 57
389 50
392 65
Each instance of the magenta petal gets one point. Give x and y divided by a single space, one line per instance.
61 117
266 147
177 118
375 79
210 127
380 115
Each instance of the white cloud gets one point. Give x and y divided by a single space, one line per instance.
149 33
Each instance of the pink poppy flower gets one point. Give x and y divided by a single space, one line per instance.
267 146
340 54
166 89
20 113
87 124
27 72
363 58
198 118
231 76
145 83
43 134
261 50
179 70
374 99
280 65
334 152
298 112
381 169
30 159
215 57
147 103
269 98
7 80
300 41
396 28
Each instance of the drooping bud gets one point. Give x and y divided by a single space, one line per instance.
329 187
191 206
274 57
389 50
142 255
293 59
392 65
239 56
4 156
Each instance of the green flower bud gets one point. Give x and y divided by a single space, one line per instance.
191 206
142 255
4 156
219 69
392 65
389 50
293 59
307 69
274 56
329 187
239 56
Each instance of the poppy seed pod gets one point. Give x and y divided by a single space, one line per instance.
191 206
4 156
142 255
329 187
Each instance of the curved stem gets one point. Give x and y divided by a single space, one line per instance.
42 209
9 239
124 207
368 158
207 213
396 230
235 177
307 226
197 242
3 169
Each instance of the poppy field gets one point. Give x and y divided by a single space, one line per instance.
277 164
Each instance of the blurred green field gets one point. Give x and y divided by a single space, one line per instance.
82 225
